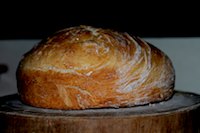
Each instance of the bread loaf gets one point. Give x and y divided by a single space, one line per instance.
85 67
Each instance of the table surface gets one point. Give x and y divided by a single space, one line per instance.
184 53
11 104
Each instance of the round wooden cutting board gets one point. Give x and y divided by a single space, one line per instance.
180 114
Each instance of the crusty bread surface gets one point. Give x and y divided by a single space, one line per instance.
85 67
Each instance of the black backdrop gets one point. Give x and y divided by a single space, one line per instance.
37 20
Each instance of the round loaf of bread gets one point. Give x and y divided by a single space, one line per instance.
85 67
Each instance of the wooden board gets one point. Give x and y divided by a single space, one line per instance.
179 114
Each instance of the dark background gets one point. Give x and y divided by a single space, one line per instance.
37 20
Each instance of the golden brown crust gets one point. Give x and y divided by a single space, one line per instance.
85 67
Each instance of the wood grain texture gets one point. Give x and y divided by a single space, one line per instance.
180 114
